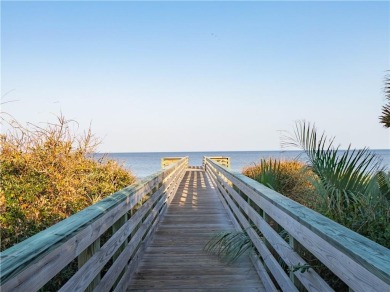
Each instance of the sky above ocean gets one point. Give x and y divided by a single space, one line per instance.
198 76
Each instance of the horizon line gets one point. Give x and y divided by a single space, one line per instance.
296 150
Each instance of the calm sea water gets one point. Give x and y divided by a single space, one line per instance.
144 164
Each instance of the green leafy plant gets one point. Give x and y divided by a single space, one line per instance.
291 178
385 117
300 267
48 173
351 186
229 245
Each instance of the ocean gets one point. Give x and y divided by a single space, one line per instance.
144 164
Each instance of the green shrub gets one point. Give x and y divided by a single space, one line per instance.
288 177
352 188
48 174
348 187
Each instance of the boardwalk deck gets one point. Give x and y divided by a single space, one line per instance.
175 259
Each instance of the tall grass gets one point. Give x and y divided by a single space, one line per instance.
48 173
288 177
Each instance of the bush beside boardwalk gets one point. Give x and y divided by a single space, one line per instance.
48 174
350 189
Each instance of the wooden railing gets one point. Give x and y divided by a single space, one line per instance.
167 161
93 239
222 160
284 232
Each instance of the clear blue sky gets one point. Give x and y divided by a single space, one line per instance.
194 76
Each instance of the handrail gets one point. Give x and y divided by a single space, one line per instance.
167 161
132 213
222 160
279 226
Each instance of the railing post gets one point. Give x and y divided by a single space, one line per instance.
85 256
118 224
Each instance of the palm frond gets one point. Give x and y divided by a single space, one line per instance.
269 173
385 117
344 175
229 245
382 180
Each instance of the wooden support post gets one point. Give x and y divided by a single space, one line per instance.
294 244
291 242
85 256
118 224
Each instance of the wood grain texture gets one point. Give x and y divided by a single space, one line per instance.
310 279
272 264
29 265
96 263
137 257
84 257
175 258
361 263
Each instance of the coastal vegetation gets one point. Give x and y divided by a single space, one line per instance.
48 173
385 117
348 187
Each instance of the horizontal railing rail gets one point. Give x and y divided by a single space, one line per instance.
222 160
129 216
167 161
283 233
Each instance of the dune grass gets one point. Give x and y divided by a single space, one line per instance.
49 173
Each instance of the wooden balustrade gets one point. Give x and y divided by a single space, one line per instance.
280 229
167 161
222 160
131 215
105 242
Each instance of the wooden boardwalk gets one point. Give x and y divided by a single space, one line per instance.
165 253
175 259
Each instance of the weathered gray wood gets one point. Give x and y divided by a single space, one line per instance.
81 279
222 160
48 254
84 257
30 264
175 258
166 161
228 211
272 264
117 225
310 279
368 263
265 278
136 259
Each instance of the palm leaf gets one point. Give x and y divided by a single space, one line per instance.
385 117
229 245
269 174
344 176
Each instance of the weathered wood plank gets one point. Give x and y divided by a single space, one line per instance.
310 279
136 259
83 259
81 279
175 258
368 263
107 281
281 277
30 264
